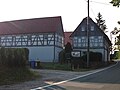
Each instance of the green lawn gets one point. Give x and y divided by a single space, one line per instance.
56 66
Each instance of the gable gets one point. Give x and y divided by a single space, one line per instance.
81 30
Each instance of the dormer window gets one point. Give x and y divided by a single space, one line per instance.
92 28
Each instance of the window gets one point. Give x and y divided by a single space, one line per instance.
100 38
95 44
91 44
83 44
92 28
101 44
79 45
82 29
75 45
79 40
92 37
96 40
83 37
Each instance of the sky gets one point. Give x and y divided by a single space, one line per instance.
71 11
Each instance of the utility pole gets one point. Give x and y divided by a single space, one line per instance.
88 41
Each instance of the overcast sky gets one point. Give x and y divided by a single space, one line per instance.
72 11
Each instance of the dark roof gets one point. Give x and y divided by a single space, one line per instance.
27 26
67 37
85 20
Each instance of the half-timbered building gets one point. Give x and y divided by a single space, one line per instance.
42 36
98 40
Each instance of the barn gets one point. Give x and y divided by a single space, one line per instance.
42 36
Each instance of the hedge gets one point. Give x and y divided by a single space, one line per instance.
117 55
93 56
14 57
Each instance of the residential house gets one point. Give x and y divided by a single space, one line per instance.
42 36
99 42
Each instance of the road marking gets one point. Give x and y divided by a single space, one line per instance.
83 85
81 76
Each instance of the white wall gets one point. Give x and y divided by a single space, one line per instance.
43 53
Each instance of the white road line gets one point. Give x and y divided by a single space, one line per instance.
81 76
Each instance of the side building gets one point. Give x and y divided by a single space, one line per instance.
42 36
99 42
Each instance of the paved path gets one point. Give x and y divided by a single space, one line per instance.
108 79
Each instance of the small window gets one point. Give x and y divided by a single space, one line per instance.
92 28
92 37
82 29
95 44
83 37
79 40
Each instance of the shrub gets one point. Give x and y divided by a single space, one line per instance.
13 57
93 56
62 56
117 55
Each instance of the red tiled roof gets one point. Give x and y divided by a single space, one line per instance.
37 25
67 37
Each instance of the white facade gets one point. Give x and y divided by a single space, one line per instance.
44 53
44 47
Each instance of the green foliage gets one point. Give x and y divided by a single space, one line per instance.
117 55
93 57
115 3
68 48
101 22
13 57
62 56
15 75
56 66
65 54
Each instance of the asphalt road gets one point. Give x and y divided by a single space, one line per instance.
105 80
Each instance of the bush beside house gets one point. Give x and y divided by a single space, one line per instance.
14 57
13 66
95 59
116 55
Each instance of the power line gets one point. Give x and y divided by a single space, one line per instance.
100 2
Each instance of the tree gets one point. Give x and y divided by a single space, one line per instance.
68 48
101 22
115 3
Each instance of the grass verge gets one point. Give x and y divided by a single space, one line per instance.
16 75
67 67
56 66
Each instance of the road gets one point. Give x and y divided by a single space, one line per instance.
108 79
